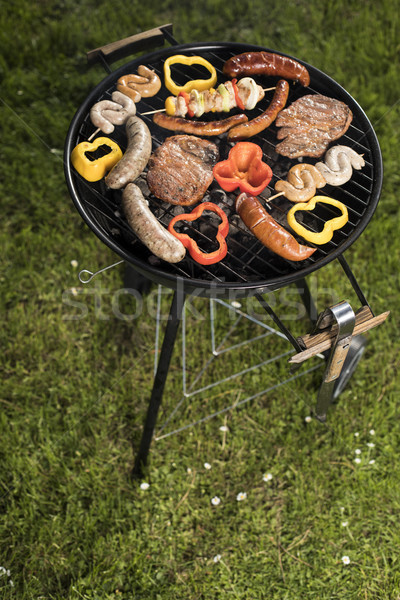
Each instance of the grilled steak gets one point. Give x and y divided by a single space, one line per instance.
310 123
181 169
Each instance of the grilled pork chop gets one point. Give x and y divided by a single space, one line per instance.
310 123
181 169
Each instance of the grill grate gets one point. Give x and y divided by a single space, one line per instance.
248 263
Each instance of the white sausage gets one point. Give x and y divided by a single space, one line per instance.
339 164
136 156
302 182
107 113
148 228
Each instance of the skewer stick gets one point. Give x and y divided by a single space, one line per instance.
275 196
93 134
152 112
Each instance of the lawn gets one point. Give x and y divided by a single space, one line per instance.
259 502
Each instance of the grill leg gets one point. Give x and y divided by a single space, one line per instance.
134 280
307 299
160 378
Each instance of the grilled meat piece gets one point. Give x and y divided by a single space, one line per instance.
310 123
181 169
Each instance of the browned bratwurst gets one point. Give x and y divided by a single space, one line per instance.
266 63
202 128
255 126
268 231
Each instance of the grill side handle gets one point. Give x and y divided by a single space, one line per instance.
134 43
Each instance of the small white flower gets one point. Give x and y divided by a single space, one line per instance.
357 460
217 558
356 434
267 476
189 470
345 523
74 263
345 560
207 466
11 583
241 496
215 501
144 486
223 428
74 291
2 571
358 451
308 419
372 432
342 508
372 461
371 445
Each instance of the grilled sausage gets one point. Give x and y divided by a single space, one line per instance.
136 156
255 126
148 228
338 165
107 113
201 128
266 63
268 231
144 85
302 183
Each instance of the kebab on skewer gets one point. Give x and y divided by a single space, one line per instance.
243 94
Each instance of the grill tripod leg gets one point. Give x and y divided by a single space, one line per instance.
160 378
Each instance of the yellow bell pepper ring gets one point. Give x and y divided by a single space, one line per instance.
94 170
330 226
198 84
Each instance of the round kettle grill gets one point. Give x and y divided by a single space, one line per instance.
249 268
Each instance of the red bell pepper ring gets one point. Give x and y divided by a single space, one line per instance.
198 255
239 102
243 169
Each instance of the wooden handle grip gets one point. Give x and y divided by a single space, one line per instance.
130 45
326 343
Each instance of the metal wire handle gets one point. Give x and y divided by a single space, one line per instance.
91 274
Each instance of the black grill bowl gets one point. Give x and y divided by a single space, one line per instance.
249 267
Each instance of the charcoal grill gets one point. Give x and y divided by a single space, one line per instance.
249 268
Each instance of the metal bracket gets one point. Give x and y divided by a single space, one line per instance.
341 315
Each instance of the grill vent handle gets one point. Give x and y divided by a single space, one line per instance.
135 43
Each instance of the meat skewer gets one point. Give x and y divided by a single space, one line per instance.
177 106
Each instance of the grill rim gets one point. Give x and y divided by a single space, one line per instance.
215 286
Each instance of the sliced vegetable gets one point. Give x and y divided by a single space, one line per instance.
238 99
225 97
251 85
243 169
330 226
198 255
198 84
94 170
186 98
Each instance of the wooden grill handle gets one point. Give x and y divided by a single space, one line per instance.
134 43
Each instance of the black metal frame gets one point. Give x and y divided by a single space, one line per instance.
169 339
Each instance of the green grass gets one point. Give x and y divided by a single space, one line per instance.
73 525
